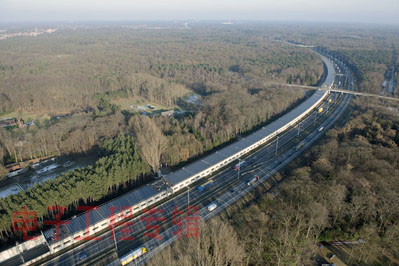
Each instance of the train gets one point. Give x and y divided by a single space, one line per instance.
140 199
134 202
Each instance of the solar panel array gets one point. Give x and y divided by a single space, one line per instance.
104 211
199 166
140 196
330 72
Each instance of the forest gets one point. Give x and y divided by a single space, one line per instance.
83 72
368 51
119 169
345 188
68 83
71 83
77 77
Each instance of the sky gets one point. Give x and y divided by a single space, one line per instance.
348 11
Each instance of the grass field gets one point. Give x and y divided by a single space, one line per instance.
26 116
138 104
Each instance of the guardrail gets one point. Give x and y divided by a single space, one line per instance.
242 188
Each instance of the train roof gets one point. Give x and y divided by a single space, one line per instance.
142 194
103 211
330 72
199 166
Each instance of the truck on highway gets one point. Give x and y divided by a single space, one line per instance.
239 165
252 180
133 255
205 185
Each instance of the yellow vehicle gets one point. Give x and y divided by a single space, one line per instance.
329 100
205 185
320 110
133 255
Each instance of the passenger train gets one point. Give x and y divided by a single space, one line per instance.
127 205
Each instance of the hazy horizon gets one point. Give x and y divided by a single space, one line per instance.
341 11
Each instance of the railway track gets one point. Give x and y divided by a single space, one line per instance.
261 157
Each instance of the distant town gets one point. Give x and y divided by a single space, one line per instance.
36 32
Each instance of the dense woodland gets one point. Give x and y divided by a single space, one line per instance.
369 67
70 66
345 188
119 169
149 142
225 70
76 77
367 50
77 73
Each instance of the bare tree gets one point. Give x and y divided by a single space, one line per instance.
217 244
2 153
150 140
3 171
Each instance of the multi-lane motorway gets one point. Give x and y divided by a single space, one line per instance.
227 187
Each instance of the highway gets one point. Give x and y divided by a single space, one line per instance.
262 162
362 94
227 188
270 158
265 162
392 84
340 90
226 181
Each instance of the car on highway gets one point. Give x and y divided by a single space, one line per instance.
321 129
212 206
252 180
82 255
